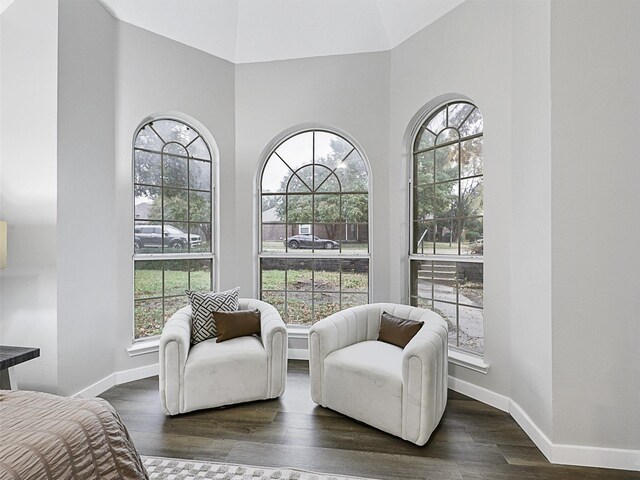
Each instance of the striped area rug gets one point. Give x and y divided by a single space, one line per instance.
160 468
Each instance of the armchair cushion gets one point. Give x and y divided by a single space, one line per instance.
224 373
364 381
397 331
237 324
203 304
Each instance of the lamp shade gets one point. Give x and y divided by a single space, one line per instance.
3 245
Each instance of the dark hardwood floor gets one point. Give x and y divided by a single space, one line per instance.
474 441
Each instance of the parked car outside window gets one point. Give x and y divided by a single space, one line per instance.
311 241
150 236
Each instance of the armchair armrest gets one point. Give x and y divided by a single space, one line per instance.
424 379
175 342
273 333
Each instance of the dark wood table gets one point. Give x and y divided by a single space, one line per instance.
11 356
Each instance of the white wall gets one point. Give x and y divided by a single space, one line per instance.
87 255
530 317
595 75
347 92
477 64
156 76
28 195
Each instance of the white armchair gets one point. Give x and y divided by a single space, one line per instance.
400 391
211 374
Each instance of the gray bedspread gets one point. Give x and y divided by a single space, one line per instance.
44 436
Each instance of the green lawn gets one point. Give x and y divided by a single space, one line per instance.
301 280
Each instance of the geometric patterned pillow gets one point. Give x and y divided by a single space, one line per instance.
203 327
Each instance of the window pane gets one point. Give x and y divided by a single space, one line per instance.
424 234
273 209
423 163
198 149
446 136
355 208
471 157
325 304
176 277
172 305
327 208
175 171
148 140
471 195
299 308
277 299
175 237
273 271
471 283
444 281
147 168
330 149
438 121
355 238
173 131
422 279
175 204
326 182
424 206
148 320
299 275
447 237
458 112
349 300
353 175
473 125
147 237
148 203
446 199
200 175
448 312
200 275
328 238
355 275
446 163
175 149
326 275
425 139
275 175
273 237
471 333
297 150
471 236
200 206
147 279
299 208
200 237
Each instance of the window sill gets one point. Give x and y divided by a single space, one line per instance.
144 347
467 360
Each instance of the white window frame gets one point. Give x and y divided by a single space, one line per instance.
295 330
144 345
458 356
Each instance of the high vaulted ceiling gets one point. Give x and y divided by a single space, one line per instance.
245 31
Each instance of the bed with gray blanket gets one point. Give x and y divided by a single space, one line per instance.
44 436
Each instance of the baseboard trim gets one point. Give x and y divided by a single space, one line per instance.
532 430
601 457
118 378
584 456
298 354
479 393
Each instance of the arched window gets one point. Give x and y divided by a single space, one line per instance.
314 227
173 225
447 212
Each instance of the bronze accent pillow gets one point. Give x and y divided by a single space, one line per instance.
397 331
236 324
